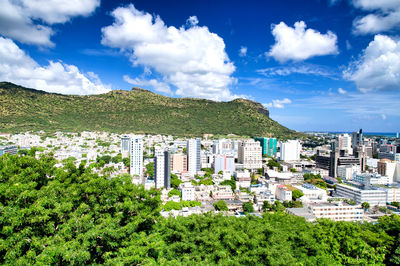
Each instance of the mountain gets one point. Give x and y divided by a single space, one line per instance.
138 110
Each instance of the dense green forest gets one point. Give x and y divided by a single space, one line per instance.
72 216
138 111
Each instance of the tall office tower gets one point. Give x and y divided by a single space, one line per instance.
268 146
334 157
356 140
193 153
250 154
362 155
162 168
290 150
344 142
125 146
136 151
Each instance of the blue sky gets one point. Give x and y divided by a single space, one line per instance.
316 65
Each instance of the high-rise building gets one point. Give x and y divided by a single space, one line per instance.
125 146
250 154
290 150
224 162
193 155
136 151
356 140
268 146
162 169
344 142
178 163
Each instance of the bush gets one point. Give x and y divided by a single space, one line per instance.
221 205
174 192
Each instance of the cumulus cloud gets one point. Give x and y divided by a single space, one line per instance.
299 44
342 91
243 51
157 85
385 16
378 67
191 58
278 103
29 21
18 67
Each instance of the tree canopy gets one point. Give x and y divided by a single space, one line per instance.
70 215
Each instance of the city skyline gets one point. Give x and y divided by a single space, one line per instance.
327 66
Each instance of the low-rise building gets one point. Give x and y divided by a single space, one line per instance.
373 196
223 193
337 211
312 193
283 193
242 178
11 149
187 191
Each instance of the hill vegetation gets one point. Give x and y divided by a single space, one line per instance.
138 111
70 215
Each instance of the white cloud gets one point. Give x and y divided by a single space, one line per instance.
278 103
342 91
192 21
378 67
383 117
18 67
305 69
157 85
300 44
243 51
192 59
28 20
385 16
385 5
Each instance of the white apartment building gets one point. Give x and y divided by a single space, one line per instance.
337 211
312 193
162 169
290 150
283 193
372 196
346 172
372 179
223 193
193 155
223 146
392 193
250 154
136 151
187 191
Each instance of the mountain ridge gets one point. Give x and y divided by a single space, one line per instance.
138 110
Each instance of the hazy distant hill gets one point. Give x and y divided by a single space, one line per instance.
139 111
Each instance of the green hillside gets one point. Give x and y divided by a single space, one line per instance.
138 111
